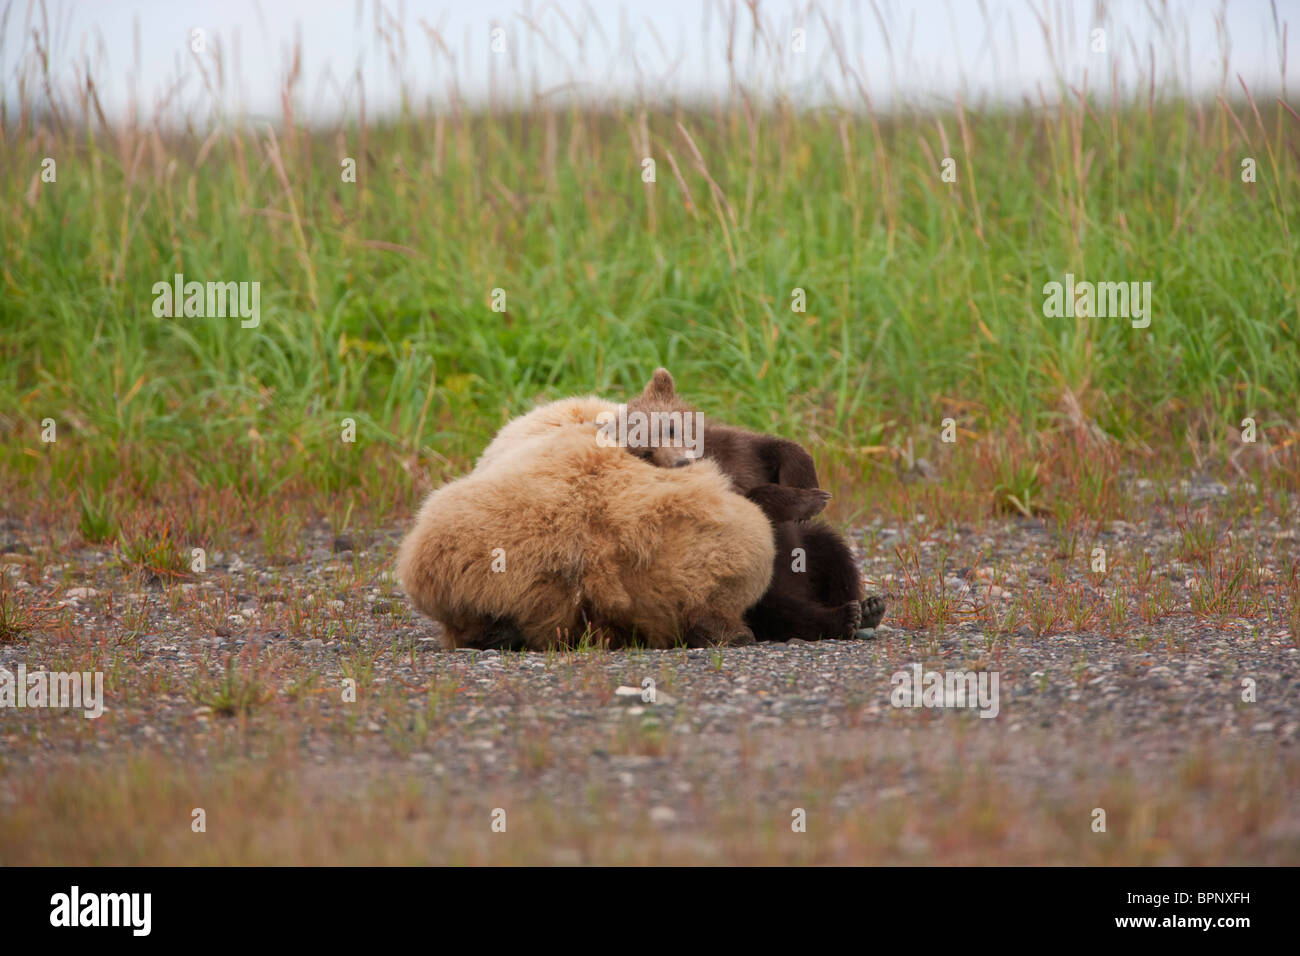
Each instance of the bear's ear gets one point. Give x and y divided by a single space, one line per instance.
662 385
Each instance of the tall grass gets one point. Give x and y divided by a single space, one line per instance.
924 297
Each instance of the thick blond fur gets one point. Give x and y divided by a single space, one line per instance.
588 534
542 421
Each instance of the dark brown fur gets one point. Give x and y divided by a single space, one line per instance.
775 473
818 595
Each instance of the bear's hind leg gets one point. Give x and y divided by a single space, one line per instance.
873 611
711 630
784 617
492 634
834 573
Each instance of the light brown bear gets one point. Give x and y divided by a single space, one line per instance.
555 534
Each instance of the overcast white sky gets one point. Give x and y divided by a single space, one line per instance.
669 47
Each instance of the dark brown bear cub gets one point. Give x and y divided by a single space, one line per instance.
815 591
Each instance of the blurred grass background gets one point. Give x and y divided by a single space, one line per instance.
924 297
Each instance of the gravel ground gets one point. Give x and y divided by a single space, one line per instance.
1151 716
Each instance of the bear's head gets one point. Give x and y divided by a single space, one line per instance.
663 429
